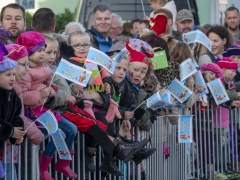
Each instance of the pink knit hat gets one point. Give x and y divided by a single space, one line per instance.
16 51
214 68
227 63
32 40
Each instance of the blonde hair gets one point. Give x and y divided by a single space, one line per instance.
50 38
170 40
180 52
78 33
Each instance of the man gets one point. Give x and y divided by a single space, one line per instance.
169 29
72 27
43 21
232 21
116 27
135 27
102 21
13 19
184 21
143 24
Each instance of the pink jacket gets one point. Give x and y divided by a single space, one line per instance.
35 80
224 119
33 133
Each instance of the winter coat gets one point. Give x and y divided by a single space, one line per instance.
131 97
237 77
64 90
10 111
35 80
33 134
103 45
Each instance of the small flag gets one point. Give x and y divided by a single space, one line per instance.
201 85
187 69
100 58
197 36
48 120
61 146
73 73
179 91
185 129
218 91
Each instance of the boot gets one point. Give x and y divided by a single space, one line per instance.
143 154
166 149
89 153
88 107
108 165
112 111
62 166
44 162
125 151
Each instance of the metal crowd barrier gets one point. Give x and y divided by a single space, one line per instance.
212 155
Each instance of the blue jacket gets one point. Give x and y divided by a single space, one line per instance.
104 45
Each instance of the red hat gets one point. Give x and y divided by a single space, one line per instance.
227 63
158 24
135 48
16 51
32 40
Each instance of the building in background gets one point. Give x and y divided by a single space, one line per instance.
206 11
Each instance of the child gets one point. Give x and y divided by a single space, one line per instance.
157 4
234 53
76 54
116 83
19 54
36 88
11 124
179 53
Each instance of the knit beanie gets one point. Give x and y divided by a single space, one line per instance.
6 63
16 51
32 40
139 51
227 63
214 68
231 51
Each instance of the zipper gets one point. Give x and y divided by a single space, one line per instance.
8 107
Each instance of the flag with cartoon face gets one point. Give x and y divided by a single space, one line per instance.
73 73
185 129
100 58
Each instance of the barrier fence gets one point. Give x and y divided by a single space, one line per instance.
212 155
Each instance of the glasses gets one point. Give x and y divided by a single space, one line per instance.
85 46
26 65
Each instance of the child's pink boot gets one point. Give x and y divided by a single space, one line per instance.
88 107
62 166
112 111
166 149
44 162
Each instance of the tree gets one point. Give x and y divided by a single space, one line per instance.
63 18
29 17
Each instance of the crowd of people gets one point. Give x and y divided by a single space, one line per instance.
28 89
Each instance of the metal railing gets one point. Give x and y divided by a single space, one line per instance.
213 153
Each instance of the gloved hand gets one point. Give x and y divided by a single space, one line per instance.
138 113
153 118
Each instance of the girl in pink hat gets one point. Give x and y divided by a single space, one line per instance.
36 89
11 123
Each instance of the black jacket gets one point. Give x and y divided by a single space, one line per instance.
10 110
